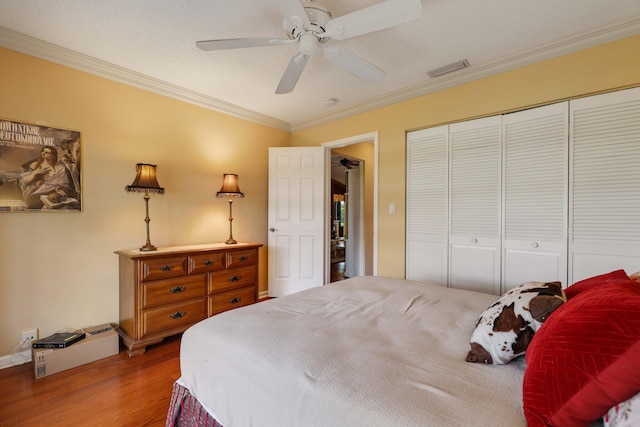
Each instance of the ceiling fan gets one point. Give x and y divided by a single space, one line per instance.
311 25
347 163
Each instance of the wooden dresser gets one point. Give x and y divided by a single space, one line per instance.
164 292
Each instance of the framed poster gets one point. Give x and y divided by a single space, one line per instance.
39 168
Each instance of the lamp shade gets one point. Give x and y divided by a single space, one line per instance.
230 186
145 181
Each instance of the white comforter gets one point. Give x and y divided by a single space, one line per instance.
368 351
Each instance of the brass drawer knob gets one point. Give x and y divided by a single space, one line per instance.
166 268
234 300
208 262
234 278
177 314
244 258
177 289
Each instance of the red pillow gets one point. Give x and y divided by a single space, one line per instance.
618 276
611 383
585 357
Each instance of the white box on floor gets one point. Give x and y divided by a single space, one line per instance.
101 341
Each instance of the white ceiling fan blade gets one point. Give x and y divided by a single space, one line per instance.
292 73
293 13
239 43
352 63
382 15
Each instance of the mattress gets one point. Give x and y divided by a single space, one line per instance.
359 352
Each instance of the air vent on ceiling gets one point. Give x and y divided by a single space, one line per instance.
448 68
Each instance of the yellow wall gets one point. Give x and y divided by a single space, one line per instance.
604 68
58 270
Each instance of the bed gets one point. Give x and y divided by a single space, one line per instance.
361 352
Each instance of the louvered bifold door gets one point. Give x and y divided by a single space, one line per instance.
475 190
535 144
604 233
427 205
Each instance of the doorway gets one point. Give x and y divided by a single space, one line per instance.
363 146
346 224
351 212
286 268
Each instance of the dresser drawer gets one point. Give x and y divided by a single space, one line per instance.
159 292
234 298
240 258
165 318
206 262
160 268
229 279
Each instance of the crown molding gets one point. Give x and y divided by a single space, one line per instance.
44 50
50 52
615 31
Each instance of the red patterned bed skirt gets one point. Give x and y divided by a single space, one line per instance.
186 411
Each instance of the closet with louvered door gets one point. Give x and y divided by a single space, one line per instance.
604 204
550 193
475 205
427 205
535 190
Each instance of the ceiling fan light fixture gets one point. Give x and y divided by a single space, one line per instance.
309 44
450 68
312 25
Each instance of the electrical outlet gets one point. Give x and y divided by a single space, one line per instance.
28 337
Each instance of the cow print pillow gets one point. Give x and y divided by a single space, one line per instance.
504 330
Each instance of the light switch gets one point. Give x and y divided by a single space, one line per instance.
392 208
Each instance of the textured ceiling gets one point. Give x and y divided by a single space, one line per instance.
156 39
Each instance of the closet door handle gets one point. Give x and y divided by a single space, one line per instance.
474 240
534 244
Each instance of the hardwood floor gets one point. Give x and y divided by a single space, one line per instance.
337 271
115 391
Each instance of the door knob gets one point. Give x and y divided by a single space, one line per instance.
273 229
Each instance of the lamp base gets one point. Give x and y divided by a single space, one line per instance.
230 242
148 248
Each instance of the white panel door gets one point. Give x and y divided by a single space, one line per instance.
354 241
604 225
427 205
296 219
535 144
475 209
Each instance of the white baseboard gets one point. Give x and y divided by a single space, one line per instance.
15 359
